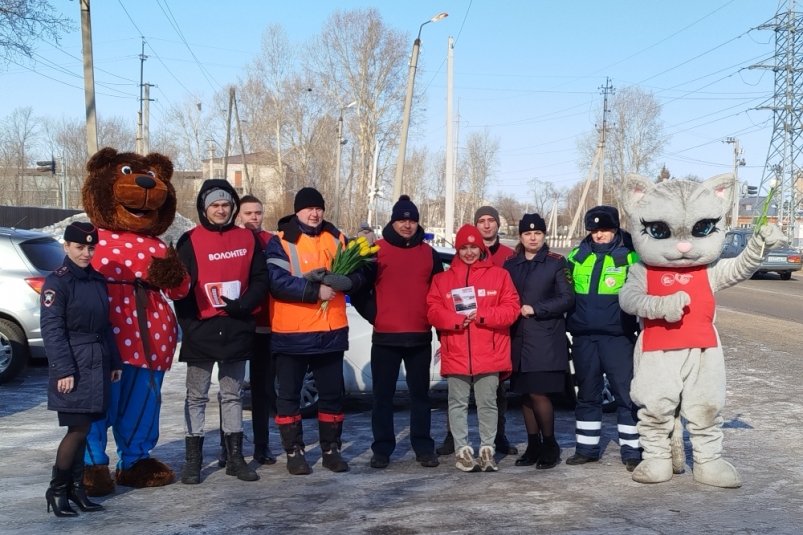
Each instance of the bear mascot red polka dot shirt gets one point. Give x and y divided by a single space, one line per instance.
131 200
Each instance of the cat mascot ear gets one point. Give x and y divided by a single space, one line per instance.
634 188
722 186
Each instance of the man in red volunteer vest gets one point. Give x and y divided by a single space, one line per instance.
229 281
404 268
262 373
486 219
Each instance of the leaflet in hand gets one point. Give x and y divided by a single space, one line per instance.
465 300
216 290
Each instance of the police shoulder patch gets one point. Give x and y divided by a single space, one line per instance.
63 270
569 276
48 297
556 256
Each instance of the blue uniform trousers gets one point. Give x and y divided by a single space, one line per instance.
594 355
133 416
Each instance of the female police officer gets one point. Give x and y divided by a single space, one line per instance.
82 358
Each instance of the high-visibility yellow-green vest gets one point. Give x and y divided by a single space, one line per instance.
605 280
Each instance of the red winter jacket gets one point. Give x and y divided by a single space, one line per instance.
483 346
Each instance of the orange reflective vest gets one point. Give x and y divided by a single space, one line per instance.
311 252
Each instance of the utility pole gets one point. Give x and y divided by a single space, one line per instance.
786 104
448 223
228 136
598 163
606 89
146 120
738 161
140 134
242 145
89 79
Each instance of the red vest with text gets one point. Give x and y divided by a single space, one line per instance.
696 328
221 257
402 283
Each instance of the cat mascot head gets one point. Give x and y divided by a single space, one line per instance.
677 223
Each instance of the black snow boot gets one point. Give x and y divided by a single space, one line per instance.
223 455
293 444
447 448
56 494
236 465
329 434
550 454
77 492
193 455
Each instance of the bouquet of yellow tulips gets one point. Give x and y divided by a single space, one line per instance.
355 255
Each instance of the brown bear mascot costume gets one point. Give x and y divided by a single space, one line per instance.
130 199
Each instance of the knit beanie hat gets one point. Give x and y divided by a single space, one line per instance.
404 209
602 217
486 210
530 222
308 198
217 194
80 232
468 235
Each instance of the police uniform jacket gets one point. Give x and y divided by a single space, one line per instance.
539 342
598 273
78 338
220 333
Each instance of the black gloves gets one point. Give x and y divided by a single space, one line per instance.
234 309
337 282
316 275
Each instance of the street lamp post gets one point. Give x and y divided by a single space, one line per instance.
340 143
408 102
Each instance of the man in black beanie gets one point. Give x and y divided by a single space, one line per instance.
305 335
403 270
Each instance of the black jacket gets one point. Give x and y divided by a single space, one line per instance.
220 338
539 342
78 338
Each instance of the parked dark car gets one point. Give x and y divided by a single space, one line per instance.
26 258
781 260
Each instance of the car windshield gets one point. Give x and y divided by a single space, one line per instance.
45 254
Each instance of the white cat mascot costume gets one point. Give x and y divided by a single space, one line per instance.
677 229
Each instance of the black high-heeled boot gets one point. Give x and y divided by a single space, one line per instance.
533 451
76 492
56 494
550 453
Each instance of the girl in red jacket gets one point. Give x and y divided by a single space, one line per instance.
472 306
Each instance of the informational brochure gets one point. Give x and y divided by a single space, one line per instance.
465 300
216 290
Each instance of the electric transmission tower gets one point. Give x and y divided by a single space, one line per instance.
782 168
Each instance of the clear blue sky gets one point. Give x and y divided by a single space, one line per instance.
527 70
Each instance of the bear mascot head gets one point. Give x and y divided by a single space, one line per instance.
131 200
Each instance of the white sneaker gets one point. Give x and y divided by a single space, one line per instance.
465 460
487 463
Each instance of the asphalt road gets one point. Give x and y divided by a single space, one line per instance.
767 295
762 438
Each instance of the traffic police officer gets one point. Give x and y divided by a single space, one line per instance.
83 361
602 335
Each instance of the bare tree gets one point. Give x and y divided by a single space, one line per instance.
18 135
510 210
357 57
23 22
476 169
632 143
